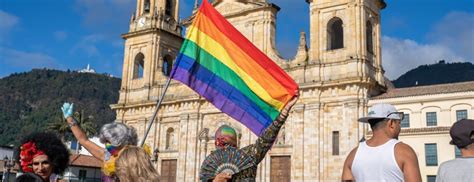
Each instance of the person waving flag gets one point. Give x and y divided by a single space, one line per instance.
221 65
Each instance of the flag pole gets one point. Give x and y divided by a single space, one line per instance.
158 104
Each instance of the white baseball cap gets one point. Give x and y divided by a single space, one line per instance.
381 111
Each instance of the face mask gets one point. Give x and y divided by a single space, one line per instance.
111 149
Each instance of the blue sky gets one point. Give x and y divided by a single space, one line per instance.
69 34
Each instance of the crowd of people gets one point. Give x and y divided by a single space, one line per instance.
43 156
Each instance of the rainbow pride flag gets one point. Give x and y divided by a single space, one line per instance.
221 65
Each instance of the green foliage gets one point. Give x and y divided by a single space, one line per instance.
31 102
59 126
436 74
86 123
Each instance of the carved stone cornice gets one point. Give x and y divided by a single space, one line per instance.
360 81
299 107
313 106
194 116
422 131
184 117
149 31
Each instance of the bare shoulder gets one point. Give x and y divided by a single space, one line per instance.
404 153
353 152
346 170
403 149
350 157
408 162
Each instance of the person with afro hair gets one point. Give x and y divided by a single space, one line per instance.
44 154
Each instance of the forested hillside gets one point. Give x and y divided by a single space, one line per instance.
436 74
32 100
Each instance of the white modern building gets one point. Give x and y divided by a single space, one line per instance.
430 111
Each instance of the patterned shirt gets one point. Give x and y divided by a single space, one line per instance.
259 149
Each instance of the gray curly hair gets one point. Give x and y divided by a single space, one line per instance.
118 134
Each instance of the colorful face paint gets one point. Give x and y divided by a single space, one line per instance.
226 136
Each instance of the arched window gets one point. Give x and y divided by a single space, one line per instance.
335 34
138 66
169 138
168 7
146 5
369 37
167 65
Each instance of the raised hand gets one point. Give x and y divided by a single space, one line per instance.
68 109
289 105
222 177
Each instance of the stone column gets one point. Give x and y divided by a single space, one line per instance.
192 150
183 147
311 141
353 133
202 147
299 146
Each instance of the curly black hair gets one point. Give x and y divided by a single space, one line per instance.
52 146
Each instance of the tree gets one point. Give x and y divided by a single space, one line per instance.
60 126
86 123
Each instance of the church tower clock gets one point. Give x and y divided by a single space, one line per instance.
151 45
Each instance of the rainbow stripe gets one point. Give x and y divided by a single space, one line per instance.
220 64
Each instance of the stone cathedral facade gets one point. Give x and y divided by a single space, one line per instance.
337 66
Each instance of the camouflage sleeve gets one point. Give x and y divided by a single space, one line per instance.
265 142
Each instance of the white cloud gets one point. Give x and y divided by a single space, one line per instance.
456 30
402 55
109 18
450 39
118 43
287 49
105 15
60 35
8 21
23 59
88 45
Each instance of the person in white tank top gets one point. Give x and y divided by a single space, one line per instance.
382 157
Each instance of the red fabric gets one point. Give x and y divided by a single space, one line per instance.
265 62
28 151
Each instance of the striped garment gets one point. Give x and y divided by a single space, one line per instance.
221 65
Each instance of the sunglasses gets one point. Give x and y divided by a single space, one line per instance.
399 114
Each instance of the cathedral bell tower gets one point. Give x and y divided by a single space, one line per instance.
343 71
151 45
347 33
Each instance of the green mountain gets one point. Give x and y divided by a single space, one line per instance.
438 73
32 100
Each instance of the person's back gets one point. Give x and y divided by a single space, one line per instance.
459 169
376 163
134 165
382 157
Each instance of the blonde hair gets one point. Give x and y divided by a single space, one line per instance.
134 165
